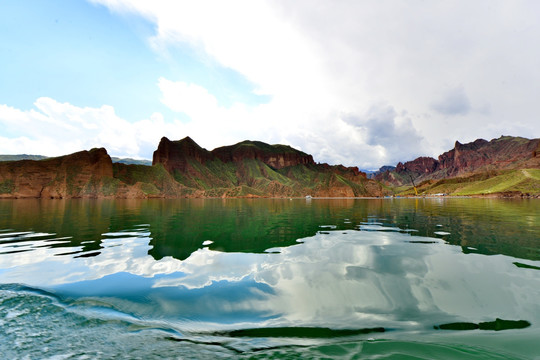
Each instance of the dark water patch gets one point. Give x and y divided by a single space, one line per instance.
206 343
14 251
500 324
69 253
300 332
86 255
24 237
526 266
497 325
457 326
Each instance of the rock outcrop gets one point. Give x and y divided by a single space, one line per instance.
275 156
502 153
421 165
82 174
184 169
254 169
506 152
175 155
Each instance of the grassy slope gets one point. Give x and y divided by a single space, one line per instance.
526 181
249 177
267 148
252 177
154 180
309 179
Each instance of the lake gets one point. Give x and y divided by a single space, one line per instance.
443 278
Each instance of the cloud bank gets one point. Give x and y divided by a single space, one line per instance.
363 83
54 129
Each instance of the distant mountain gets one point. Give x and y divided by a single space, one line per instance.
21 157
130 161
371 174
472 162
41 157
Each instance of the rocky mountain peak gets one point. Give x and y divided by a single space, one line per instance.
480 155
174 155
276 156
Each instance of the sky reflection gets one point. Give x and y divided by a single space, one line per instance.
336 279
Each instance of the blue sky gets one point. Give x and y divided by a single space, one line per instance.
81 53
363 83
78 53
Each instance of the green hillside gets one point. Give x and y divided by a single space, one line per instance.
524 181
243 178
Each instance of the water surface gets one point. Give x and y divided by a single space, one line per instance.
425 278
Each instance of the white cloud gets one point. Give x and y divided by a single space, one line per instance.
55 128
191 99
327 68
320 59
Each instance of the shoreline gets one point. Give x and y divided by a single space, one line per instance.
486 196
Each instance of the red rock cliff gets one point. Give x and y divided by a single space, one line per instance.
276 156
421 165
504 152
175 155
77 175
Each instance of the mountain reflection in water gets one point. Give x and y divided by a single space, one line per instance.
178 227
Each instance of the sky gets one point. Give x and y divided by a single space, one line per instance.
361 83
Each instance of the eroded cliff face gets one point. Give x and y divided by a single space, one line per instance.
275 156
253 168
184 169
506 152
82 174
502 153
421 165
175 155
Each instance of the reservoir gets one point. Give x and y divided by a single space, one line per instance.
443 278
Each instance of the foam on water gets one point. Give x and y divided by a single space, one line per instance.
39 325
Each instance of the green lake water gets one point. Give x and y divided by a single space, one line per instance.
273 278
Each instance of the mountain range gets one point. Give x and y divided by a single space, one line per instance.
184 169
507 165
41 157
504 166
